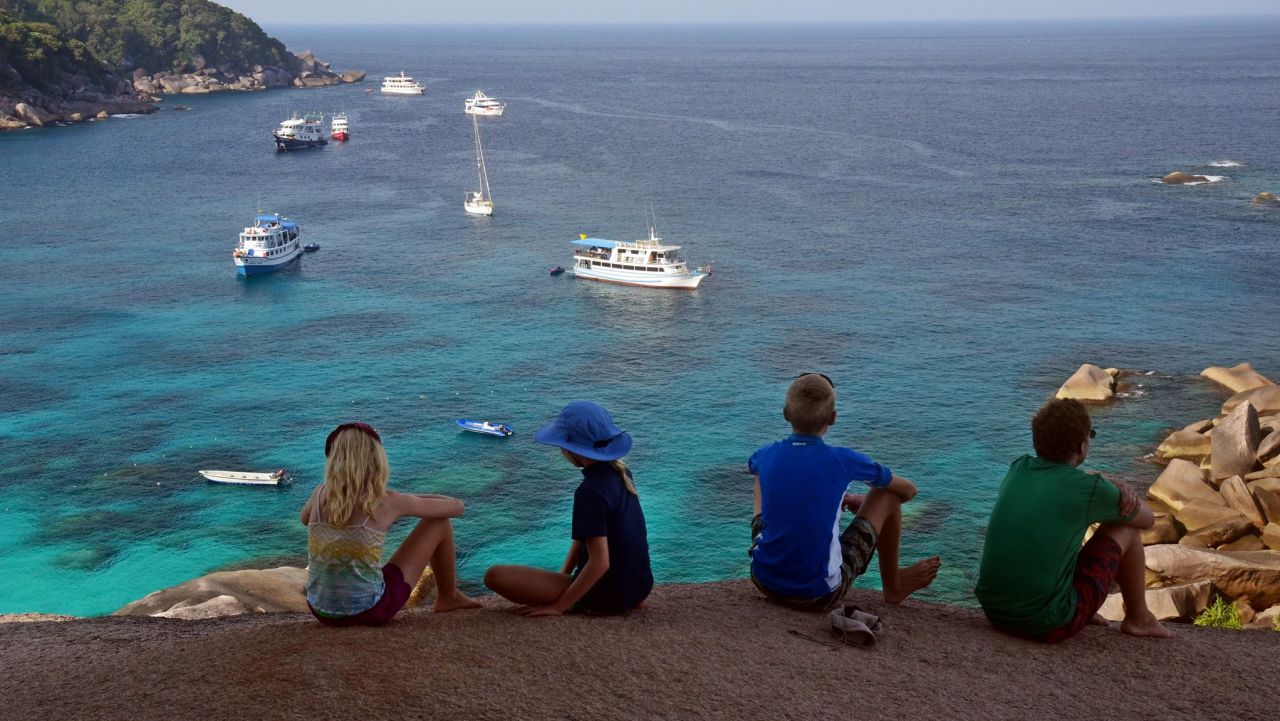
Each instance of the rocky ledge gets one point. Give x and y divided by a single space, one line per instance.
706 651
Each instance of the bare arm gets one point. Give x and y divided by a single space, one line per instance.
305 516
597 565
1145 518
425 505
571 560
1131 504
902 488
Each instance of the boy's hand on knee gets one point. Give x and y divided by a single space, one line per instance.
853 501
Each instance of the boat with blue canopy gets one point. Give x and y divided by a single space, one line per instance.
268 245
648 262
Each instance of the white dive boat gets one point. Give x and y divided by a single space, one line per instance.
268 245
401 85
649 263
246 478
479 202
338 126
304 132
481 104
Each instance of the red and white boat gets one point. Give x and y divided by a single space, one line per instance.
338 126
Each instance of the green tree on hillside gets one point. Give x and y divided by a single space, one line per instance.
159 34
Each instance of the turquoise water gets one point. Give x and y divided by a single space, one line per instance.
946 219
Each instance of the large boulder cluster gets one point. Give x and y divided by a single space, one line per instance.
1217 507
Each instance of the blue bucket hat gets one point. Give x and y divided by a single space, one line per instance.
586 429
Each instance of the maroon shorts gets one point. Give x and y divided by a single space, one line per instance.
393 598
1096 569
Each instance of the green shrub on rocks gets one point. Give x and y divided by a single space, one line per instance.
1221 615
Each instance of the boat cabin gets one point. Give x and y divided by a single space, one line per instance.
270 235
649 255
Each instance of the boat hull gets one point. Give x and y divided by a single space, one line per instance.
686 282
286 144
479 427
489 112
250 265
479 208
340 136
404 91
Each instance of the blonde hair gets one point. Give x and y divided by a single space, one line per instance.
811 400
355 476
618 465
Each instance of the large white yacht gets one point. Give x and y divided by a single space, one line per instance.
268 245
304 132
649 263
481 104
401 85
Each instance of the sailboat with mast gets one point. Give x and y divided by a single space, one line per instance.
479 202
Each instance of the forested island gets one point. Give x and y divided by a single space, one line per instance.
72 60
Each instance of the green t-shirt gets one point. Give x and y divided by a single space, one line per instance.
1033 541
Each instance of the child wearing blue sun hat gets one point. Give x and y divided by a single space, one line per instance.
607 568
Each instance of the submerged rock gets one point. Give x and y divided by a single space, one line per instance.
1178 177
1266 198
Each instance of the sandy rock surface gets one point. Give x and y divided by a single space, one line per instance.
1237 378
714 651
1089 384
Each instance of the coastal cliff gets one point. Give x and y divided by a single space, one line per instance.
67 61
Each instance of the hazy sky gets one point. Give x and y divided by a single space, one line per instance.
693 11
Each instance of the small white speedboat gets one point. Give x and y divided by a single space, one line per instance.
246 478
485 427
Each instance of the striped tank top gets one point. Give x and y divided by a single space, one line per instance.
344 567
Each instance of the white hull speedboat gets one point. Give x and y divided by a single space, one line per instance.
647 263
479 202
485 427
246 478
481 104
401 85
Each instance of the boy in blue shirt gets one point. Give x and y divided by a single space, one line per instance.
799 556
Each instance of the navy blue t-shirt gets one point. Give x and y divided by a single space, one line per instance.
602 506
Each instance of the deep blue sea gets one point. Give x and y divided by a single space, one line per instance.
946 219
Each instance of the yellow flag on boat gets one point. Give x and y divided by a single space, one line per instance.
582 236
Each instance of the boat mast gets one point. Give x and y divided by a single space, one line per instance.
480 168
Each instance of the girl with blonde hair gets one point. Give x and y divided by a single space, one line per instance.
347 518
607 568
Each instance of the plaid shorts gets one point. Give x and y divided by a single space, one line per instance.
1096 569
857 546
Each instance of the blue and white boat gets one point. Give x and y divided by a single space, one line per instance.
485 427
649 263
268 245
305 132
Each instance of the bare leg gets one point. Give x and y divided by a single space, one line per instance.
431 542
525 585
884 510
1138 619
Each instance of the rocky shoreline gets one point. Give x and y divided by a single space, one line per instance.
140 92
1217 502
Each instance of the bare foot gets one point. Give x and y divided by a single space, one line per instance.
1147 626
913 578
454 602
1098 620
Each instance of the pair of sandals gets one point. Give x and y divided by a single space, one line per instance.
855 626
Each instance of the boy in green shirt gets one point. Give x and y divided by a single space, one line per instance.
1036 580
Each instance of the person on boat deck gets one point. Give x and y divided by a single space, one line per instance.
799 556
1035 579
607 568
347 518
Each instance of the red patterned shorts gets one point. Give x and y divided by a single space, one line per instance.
1096 569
